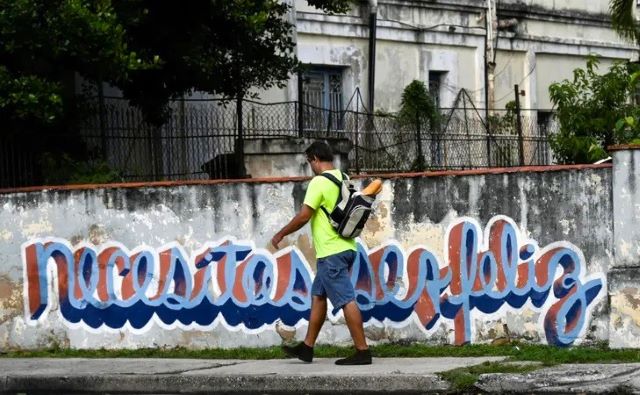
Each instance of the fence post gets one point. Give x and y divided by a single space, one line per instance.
466 128
419 159
158 167
300 105
357 113
102 121
239 148
519 126
183 137
369 149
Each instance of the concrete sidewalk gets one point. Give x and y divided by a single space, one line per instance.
386 375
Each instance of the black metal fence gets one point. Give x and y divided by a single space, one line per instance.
18 166
202 139
459 141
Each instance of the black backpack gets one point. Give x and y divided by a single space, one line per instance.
351 210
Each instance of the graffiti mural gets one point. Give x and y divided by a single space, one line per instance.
239 286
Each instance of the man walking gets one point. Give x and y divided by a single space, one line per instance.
335 256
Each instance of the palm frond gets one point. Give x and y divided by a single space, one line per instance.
623 20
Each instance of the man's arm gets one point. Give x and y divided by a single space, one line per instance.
297 222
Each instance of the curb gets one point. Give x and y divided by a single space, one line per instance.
238 384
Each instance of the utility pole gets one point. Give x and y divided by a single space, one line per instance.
519 126
373 22
485 44
492 34
300 104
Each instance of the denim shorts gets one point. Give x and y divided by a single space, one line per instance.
333 279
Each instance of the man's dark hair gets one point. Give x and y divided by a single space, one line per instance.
320 150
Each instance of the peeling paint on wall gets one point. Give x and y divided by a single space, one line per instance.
11 301
5 235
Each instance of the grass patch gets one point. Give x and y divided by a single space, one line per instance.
580 354
464 379
547 355
322 351
177 352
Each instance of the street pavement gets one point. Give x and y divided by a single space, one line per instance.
385 375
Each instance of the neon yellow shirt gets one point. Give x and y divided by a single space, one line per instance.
323 192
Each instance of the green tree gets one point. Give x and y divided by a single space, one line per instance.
217 46
589 109
42 45
417 105
154 51
419 113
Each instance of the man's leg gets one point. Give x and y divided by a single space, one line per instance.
354 323
316 319
353 317
304 350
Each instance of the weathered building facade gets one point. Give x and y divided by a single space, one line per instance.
442 43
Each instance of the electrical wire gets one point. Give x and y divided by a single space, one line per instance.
453 88
523 78
505 66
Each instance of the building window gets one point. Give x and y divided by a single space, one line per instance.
322 93
545 118
435 83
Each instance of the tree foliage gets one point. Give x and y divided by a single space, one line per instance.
417 106
153 50
217 46
419 113
623 20
43 43
595 111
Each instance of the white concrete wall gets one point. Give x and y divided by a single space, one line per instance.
188 265
591 6
553 68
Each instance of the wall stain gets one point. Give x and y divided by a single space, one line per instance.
287 334
304 245
254 207
6 287
76 239
632 297
624 304
298 192
10 299
97 234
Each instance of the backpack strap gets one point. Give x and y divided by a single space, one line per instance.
333 179
338 183
326 212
